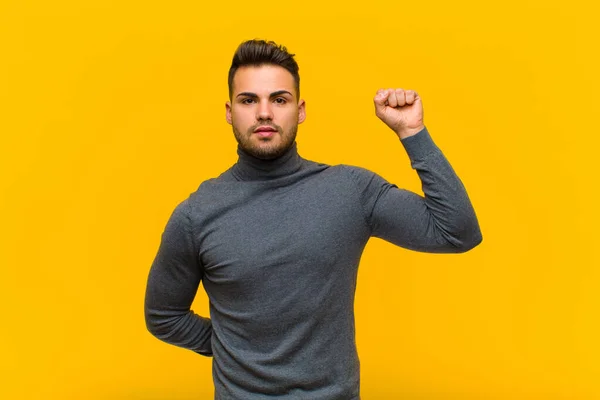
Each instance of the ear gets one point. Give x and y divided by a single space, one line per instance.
228 112
301 111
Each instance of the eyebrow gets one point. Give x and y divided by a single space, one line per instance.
254 95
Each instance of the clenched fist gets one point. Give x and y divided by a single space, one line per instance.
401 110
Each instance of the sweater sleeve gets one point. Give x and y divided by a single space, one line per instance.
443 221
172 285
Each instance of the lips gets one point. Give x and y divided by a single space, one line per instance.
265 129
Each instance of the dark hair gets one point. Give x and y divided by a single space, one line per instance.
259 52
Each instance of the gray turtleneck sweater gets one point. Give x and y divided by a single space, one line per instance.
277 245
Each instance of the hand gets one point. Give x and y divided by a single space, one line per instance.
401 110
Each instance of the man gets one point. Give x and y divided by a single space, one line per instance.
276 240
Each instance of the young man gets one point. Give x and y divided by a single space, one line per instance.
276 240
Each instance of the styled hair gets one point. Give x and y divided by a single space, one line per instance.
256 53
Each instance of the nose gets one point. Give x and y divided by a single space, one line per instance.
264 111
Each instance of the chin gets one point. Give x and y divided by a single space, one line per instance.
268 152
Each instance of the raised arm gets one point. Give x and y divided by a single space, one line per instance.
172 285
443 221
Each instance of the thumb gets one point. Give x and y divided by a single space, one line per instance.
380 100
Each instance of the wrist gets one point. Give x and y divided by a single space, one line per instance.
408 132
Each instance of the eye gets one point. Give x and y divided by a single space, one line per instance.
246 101
280 100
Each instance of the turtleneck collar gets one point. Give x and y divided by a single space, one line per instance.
250 168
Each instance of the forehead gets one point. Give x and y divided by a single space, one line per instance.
263 80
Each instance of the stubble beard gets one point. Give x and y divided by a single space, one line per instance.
266 151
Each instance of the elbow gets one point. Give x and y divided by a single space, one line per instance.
162 321
158 324
180 328
153 323
469 239
465 236
470 233
471 243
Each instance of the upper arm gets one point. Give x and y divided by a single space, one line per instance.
399 216
176 272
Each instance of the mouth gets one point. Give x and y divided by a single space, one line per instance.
265 131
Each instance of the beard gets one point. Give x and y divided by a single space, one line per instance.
266 149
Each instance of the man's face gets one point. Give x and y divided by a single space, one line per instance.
263 110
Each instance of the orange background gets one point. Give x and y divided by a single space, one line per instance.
111 113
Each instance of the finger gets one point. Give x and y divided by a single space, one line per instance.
392 100
381 96
410 96
380 99
400 97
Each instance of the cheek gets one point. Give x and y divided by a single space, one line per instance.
240 118
289 118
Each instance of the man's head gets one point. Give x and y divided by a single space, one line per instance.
264 94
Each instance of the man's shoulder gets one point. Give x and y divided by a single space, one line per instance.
206 188
341 168
348 175
338 171
363 178
354 171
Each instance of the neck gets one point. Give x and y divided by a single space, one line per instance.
250 168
